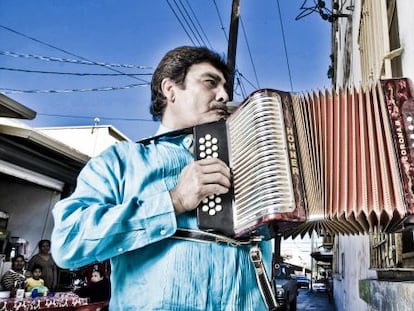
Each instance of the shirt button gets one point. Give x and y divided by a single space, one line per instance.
163 232
188 141
120 249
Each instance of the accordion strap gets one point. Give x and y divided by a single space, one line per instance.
256 258
262 278
208 237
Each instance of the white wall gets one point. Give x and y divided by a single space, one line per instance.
88 140
29 207
353 256
405 9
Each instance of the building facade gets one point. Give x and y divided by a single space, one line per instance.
371 40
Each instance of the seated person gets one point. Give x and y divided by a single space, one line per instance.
16 276
35 281
98 289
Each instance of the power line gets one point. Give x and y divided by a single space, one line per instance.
72 61
221 21
74 73
250 54
284 45
90 117
100 89
247 80
62 50
196 33
198 22
176 16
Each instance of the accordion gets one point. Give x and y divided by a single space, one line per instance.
339 161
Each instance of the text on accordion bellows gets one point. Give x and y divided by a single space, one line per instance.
401 138
292 150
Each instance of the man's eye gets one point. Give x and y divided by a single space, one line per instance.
211 83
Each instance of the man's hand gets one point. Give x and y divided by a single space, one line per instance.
198 180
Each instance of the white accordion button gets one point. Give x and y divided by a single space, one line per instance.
212 212
219 208
204 208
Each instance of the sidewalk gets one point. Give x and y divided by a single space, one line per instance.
311 300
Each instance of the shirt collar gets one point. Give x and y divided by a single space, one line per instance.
163 129
187 142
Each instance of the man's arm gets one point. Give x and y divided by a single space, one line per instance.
114 209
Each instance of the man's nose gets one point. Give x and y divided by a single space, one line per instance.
221 95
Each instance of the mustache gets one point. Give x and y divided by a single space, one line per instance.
221 108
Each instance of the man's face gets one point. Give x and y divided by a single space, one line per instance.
202 99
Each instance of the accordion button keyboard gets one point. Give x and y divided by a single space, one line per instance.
208 147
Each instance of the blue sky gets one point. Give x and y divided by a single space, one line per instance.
139 32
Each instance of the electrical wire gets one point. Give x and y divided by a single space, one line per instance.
250 54
100 89
90 117
74 73
195 32
284 45
221 21
198 23
67 60
64 51
179 20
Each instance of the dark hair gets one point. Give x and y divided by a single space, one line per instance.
37 266
43 241
15 258
175 65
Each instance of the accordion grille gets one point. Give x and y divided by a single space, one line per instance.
260 161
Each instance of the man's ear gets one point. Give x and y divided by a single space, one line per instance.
167 87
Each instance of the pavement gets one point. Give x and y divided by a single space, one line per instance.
314 301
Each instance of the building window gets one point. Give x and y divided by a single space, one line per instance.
379 40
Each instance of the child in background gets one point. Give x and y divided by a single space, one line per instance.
36 281
98 289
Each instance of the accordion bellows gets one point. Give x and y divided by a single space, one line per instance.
338 161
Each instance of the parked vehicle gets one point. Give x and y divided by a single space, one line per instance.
302 281
286 287
319 286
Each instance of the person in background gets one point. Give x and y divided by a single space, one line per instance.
45 260
16 276
98 288
36 279
131 199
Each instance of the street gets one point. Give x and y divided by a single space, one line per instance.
312 300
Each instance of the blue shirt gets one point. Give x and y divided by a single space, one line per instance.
121 210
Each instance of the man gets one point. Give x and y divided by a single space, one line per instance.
131 199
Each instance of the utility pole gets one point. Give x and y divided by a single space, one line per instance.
232 47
